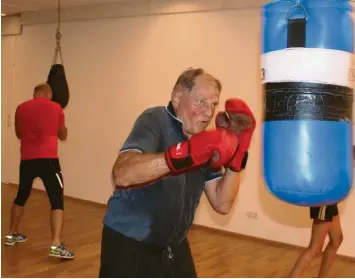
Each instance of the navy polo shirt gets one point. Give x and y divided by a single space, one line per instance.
161 212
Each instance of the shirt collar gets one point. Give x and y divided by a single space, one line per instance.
171 111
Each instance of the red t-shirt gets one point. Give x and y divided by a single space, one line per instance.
39 120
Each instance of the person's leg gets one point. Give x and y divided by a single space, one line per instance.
335 240
125 257
112 249
182 262
24 190
320 230
53 182
57 217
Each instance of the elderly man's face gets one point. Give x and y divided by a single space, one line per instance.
197 108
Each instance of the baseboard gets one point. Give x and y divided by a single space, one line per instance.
214 230
263 240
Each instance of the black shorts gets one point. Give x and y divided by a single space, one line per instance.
49 171
125 257
324 213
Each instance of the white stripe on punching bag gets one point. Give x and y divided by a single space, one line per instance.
307 65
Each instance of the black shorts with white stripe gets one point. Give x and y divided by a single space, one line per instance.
324 213
49 171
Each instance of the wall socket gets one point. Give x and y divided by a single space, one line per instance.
252 215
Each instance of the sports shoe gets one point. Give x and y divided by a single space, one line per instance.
60 252
12 239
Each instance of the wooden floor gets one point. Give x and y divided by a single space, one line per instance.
216 254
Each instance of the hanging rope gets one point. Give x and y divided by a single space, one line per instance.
57 79
58 37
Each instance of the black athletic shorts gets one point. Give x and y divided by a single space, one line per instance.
324 213
49 171
125 257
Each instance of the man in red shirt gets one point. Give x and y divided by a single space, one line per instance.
39 123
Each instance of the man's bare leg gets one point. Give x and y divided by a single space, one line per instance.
56 226
335 240
16 216
319 233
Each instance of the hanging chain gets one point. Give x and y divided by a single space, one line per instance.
58 36
299 5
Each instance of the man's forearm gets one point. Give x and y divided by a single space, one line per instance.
63 133
132 168
17 130
226 191
18 133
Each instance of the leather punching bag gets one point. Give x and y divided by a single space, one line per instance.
58 82
307 141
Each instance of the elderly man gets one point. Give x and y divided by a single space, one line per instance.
39 123
165 164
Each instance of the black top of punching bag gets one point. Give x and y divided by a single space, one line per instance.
58 82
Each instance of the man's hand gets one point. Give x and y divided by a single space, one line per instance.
216 147
238 118
63 133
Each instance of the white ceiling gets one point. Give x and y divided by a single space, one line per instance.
19 6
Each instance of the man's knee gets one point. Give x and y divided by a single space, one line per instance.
56 202
21 198
56 196
57 207
315 248
336 241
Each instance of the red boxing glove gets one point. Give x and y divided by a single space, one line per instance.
239 118
216 147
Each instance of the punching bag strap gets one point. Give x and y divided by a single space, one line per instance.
296 33
58 36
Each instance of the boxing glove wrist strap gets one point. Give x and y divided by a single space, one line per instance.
178 157
234 167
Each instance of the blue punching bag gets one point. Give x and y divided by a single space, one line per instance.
306 61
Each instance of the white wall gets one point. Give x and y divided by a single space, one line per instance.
118 67
9 144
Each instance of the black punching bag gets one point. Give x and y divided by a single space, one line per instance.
56 77
58 82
